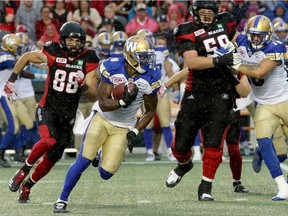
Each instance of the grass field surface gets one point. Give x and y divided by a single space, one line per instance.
139 189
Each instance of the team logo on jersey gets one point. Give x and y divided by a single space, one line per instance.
199 32
80 62
117 80
175 30
48 43
61 60
219 26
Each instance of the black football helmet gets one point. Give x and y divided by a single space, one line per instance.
203 4
72 30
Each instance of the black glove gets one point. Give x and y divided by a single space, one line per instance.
131 135
129 96
226 59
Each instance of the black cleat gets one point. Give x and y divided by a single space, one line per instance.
204 191
60 207
176 175
24 192
157 156
239 188
15 182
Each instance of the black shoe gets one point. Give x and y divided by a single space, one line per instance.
239 188
257 160
157 156
204 191
4 163
15 182
176 175
60 207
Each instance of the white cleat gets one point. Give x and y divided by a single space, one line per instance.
173 179
150 157
282 195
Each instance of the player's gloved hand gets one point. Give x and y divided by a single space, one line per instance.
176 97
236 61
10 89
131 135
161 92
128 96
80 78
227 48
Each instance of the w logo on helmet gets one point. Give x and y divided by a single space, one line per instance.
131 46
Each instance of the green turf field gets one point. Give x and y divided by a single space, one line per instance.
139 189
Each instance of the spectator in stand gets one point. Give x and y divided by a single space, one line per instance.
165 31
133 11
107 25
109 12
27 15
163 6
141 21
85 10
60 12
40 25
88 26
252 11
50 34
122 9
7 16
280 10
174 16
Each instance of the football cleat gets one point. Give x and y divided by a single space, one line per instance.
175 176
239 188
24 192
4 163
15 182
282 195
257 160
157 156
150 157
204 191
60 207
205 197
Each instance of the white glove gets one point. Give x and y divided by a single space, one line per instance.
236 61
10 89
161 92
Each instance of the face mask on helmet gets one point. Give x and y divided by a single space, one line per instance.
139 53
11 43
204 12
72 30
119 38
104 44
25 46
259 31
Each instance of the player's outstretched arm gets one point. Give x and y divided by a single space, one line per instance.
177 77
29 57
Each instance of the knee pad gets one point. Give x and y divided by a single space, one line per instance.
104 174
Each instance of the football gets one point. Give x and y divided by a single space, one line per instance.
118 91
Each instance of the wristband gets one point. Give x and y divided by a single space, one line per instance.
122 103
216 61
13 77
135 130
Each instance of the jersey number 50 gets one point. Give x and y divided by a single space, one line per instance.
59 82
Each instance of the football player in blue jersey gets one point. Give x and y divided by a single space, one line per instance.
72 72
112 125
9 46
119 39
263 61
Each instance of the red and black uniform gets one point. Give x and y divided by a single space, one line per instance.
209 94
57 109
